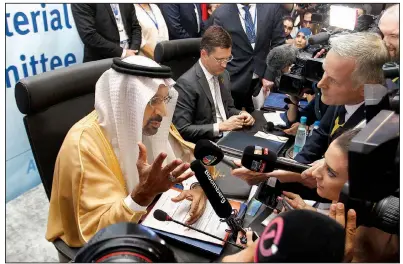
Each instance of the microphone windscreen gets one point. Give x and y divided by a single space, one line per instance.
281 56
216 198
270 126
161 215
260 159
208 152
301 236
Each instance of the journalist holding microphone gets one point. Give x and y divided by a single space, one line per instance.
363 244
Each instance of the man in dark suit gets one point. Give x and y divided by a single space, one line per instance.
255 29
348 66
107 30
353 61
205 108
183 20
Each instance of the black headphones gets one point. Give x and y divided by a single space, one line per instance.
138 70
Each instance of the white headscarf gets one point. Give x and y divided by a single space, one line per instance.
120 101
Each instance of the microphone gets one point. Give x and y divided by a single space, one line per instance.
319 38
301 236
163 216
279 58
216 198
288 101
261 159
270 127
210 154
220 204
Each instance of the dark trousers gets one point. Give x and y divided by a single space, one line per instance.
245 101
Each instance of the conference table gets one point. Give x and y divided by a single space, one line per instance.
185 253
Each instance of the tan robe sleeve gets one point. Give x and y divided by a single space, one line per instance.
98 193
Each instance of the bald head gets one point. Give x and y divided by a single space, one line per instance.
389 26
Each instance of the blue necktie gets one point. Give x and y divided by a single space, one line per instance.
249 26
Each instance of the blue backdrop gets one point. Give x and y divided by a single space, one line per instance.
39 38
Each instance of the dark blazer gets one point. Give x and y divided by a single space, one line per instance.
270 33
181 20
195 113
317 144
97 28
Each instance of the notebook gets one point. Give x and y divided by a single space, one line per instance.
208 222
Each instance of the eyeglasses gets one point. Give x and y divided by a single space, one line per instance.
221 61
307 22
156 100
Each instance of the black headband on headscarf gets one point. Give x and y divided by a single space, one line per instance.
162 72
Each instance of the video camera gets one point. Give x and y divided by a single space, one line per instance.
304 73
373 158
125 242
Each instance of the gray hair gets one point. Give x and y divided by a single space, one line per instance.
392 11
369 53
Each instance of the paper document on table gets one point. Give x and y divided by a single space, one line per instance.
271 137
275 118
209 222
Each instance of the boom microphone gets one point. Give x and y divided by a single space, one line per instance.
261 159
301 236
216 198
210 154
279 58
163 216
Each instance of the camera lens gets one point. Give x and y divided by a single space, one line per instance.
125 242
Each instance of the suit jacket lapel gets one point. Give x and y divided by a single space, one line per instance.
261 14
356 118
121 7
109 9
223 84
204 84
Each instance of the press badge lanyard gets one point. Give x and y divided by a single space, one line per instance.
154 20
253 22
116 14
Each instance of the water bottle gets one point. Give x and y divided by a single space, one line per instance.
300 138
315 126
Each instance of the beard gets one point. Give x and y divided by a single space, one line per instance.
149 129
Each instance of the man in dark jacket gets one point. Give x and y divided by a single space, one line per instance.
205 108
183 20
254 29
107 30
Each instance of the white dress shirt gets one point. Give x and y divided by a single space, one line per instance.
241 14
215 89
350 110
124 39
148 21
133 205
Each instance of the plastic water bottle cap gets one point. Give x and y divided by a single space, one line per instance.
317 123
303 120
